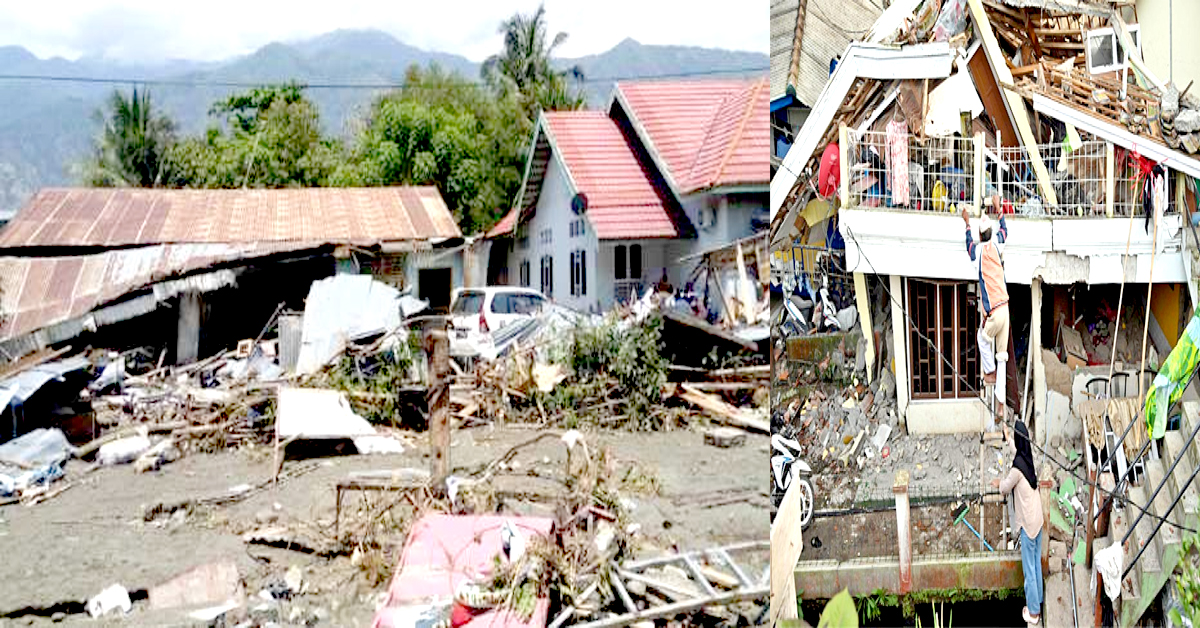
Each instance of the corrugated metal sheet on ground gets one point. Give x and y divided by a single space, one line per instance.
30 381
36 292
707 133
340 309
126 217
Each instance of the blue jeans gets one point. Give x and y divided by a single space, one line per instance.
1031 563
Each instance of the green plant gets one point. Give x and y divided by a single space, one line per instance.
839 612
1187 582
868 608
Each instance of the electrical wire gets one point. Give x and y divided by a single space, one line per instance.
1045 454
373 86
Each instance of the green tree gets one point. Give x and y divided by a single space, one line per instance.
272 138
523 67
441 129
132 144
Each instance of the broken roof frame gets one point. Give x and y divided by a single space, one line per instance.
861 60
871 61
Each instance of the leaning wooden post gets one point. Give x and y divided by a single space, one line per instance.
978 183
437 349
1045 485
1089 523
1110 181
903 530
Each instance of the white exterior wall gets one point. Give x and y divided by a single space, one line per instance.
1059 251
1038 251
1159 20
553 212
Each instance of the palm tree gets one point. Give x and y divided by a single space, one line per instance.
132 144
524 66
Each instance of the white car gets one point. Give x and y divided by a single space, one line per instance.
476 313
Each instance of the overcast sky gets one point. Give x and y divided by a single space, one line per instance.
155 30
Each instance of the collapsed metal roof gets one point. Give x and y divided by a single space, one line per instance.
140 217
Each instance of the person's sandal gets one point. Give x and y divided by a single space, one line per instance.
1029 619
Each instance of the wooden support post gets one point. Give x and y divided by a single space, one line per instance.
844 163
978 142
1090 528
903 530
437 348
787 543
187 345
863 300
1110 180
1045 485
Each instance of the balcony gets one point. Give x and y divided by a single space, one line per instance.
1089 226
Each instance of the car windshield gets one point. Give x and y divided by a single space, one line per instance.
468 303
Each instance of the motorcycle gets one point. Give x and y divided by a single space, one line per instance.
786 468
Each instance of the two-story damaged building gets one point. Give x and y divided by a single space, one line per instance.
1043 112
616 201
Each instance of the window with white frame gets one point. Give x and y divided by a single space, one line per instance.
525 273
1105 52
547 275
545 236
579 273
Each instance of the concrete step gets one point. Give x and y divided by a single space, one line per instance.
1149 560
1118 526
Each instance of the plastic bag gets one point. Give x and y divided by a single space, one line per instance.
951 21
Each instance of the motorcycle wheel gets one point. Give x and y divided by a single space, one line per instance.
807 505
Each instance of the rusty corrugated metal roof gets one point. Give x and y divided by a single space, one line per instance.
37 292
622 200
132 217
704 133
506 224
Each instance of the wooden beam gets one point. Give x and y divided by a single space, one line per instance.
1110 184
863 300
787 543
1016 105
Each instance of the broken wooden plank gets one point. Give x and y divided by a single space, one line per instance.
722 411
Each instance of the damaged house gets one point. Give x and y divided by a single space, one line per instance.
187 273
616 202
1046 112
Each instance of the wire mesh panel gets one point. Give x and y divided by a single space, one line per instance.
898 172
939 174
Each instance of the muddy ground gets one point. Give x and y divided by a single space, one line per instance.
93 535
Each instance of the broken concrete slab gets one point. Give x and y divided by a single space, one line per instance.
206 585
724 437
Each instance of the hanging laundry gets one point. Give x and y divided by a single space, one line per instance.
897 151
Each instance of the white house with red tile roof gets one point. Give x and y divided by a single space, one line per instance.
611 200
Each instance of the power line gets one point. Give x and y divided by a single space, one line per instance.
334 85
984 401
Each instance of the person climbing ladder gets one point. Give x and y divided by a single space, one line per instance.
993 293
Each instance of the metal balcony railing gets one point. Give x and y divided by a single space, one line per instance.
945 174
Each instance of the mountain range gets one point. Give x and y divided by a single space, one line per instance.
46 127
